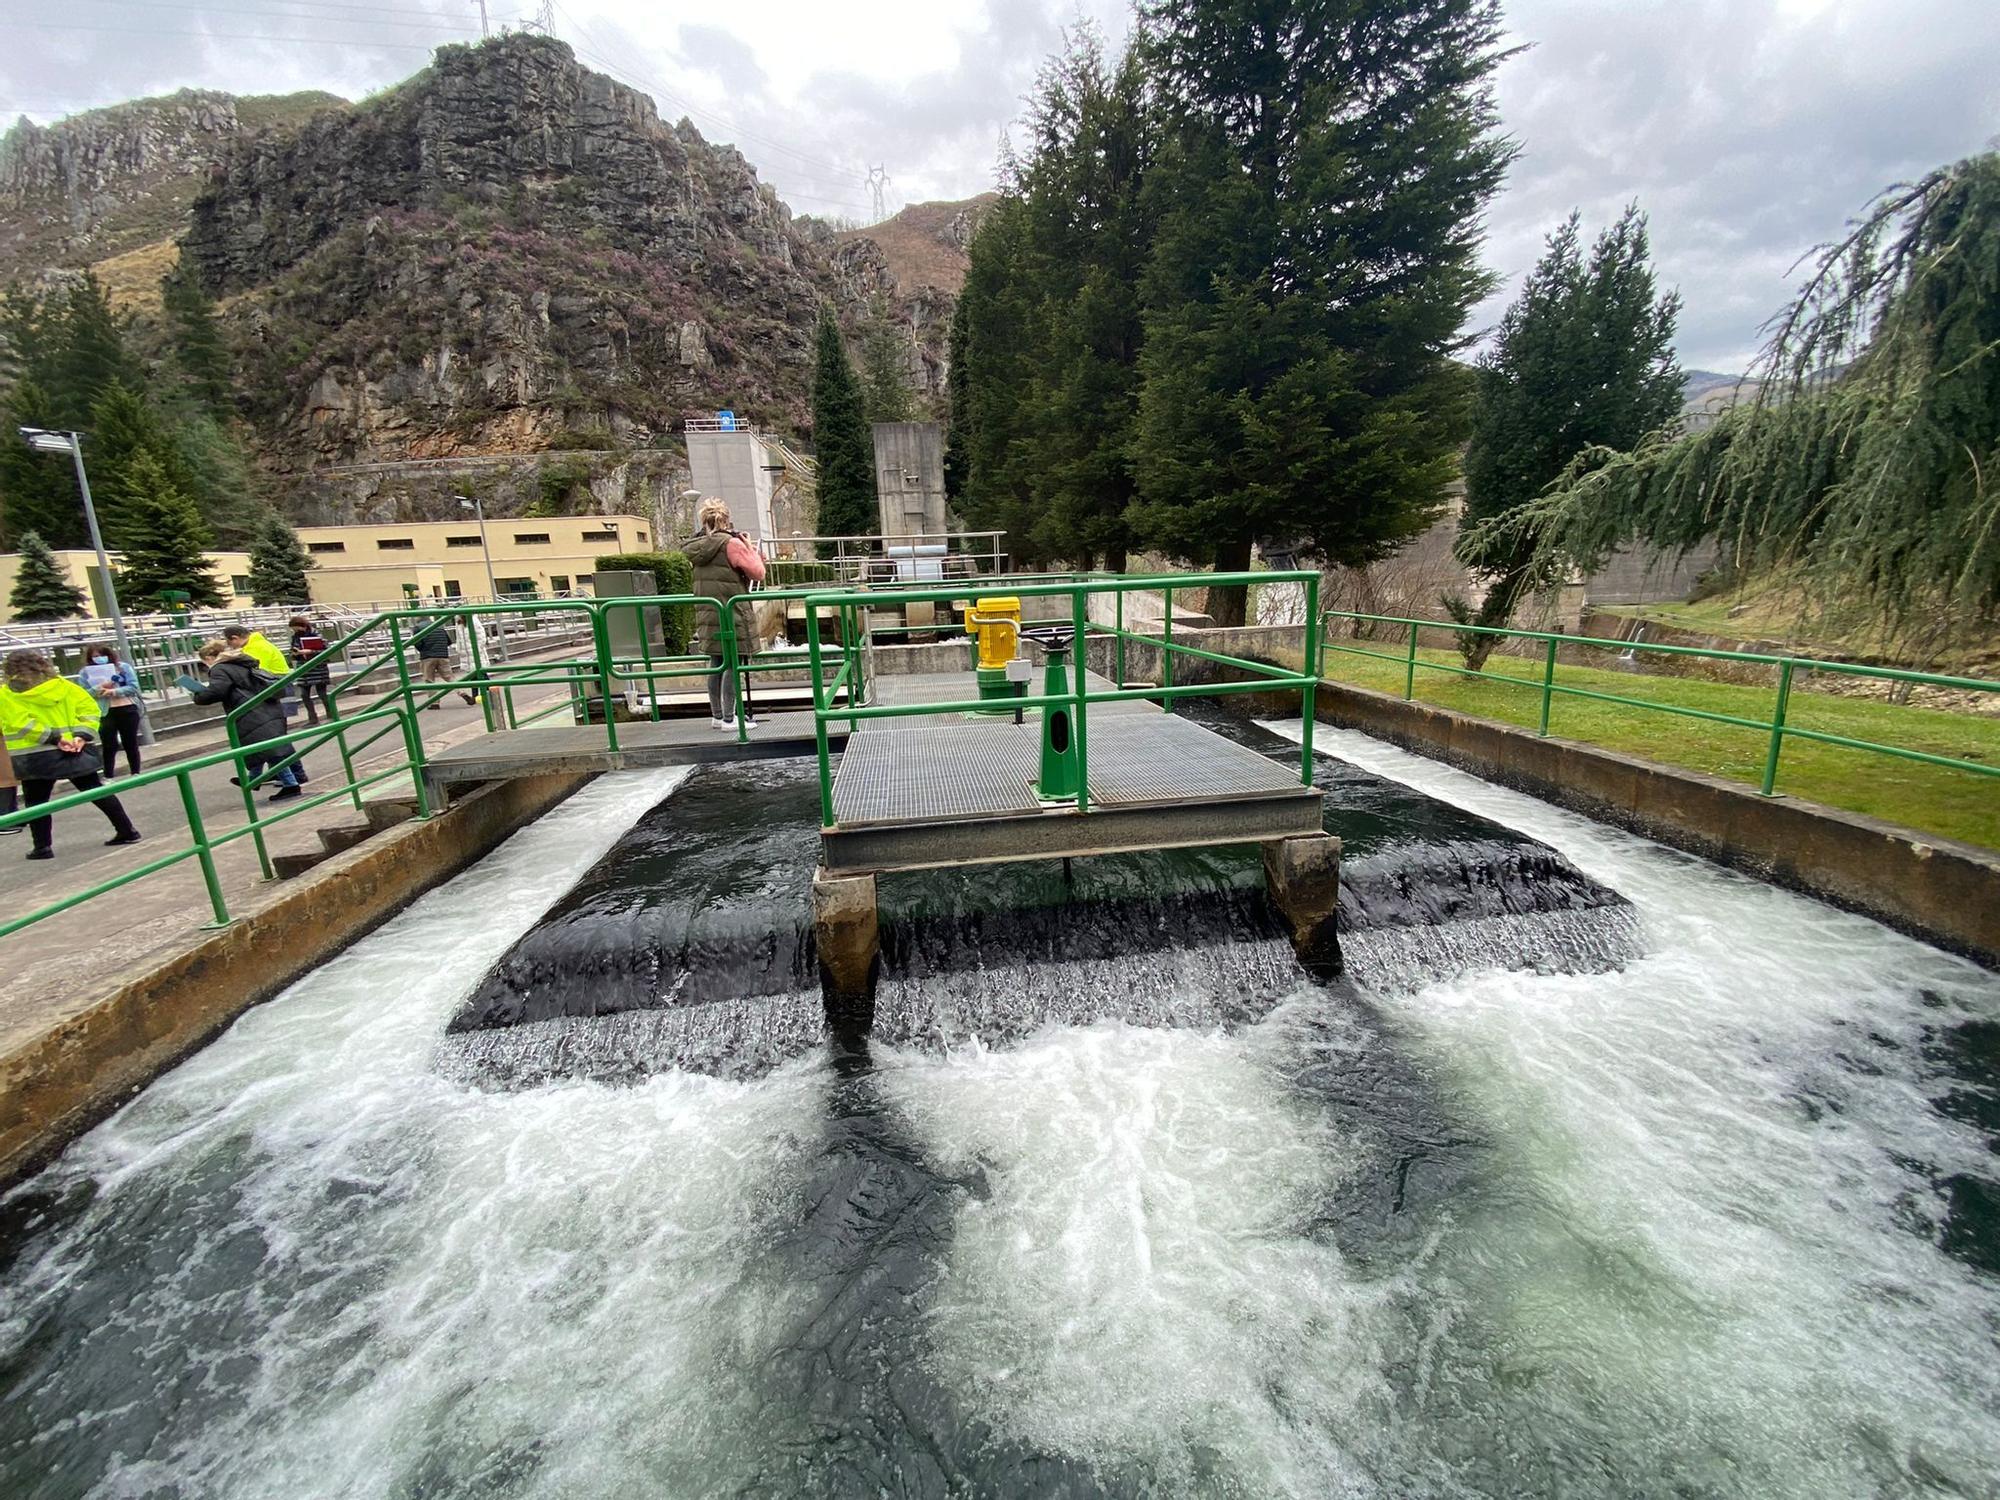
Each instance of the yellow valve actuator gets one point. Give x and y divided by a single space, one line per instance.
997 623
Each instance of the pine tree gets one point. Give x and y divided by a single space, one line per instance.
885 379
25 318
1319 191
992 425
124 426
1583 357
41 590
1089 232
199 350
166 538
278 564
841 443
88 356
37 490
956 397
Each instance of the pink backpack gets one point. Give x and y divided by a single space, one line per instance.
744 558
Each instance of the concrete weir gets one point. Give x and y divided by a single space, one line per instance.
1302 876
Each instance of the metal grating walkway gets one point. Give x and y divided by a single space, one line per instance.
927 792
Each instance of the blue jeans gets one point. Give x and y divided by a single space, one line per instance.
291 775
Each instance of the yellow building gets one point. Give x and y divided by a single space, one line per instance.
445 559
391 562
232 570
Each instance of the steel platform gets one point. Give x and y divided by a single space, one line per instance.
546 749
931 792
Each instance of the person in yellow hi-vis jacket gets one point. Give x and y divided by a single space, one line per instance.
50 726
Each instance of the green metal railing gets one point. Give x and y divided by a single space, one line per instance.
1263 676
1777 727
204 842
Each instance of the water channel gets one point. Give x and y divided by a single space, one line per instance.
1602 1172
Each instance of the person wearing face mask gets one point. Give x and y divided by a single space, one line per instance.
50 728
116 688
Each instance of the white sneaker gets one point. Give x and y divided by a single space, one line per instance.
748 722
715 723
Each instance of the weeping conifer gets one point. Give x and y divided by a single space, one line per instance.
1868 459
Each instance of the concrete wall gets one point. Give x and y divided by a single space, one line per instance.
56 1084
1937 889
909 478
736 467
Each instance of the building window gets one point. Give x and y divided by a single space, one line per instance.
395 544
530 538
600 536
239 583
326 546
461 541
558 583
451 588
509 587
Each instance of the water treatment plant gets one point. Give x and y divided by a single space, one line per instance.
950 1086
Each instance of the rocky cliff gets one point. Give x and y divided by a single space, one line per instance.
110 181
508 251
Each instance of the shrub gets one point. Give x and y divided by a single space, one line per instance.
784 574
672 574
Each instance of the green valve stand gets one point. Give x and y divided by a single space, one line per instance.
1057 782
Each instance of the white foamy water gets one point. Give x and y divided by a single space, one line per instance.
1659 1231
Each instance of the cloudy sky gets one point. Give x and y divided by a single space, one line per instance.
1749 130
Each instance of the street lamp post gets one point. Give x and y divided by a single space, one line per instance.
44 441
472 503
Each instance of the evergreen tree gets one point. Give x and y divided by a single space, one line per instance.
1319 192
166 538
199 350
885 364
955 396
24 337
37 490
841 443
991 425
87 356
1089 232
1583 356
41 591
278 563
123 427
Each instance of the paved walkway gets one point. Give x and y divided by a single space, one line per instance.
72 952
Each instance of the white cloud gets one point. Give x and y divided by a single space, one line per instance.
1748 129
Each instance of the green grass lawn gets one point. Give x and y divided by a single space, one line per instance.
1937 799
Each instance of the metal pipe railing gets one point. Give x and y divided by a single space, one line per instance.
1777 725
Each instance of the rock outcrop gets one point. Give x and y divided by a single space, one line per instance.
508 250
104 182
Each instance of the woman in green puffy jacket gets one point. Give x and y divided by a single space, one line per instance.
50 725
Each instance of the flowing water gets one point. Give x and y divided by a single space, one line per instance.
1551 1195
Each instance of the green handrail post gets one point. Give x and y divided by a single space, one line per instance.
1548 686
1778 726
646 656
1410 672
204 855
819 717
1080 693
1309 664
1166 650
471 623
1119 625
600 640
404 687
250 804
413 748
347 762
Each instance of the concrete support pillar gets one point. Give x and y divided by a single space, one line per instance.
1302 875
848 937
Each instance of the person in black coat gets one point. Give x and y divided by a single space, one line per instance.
233 680
309 651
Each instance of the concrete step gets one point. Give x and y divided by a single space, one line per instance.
384 813
339 837
297 862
